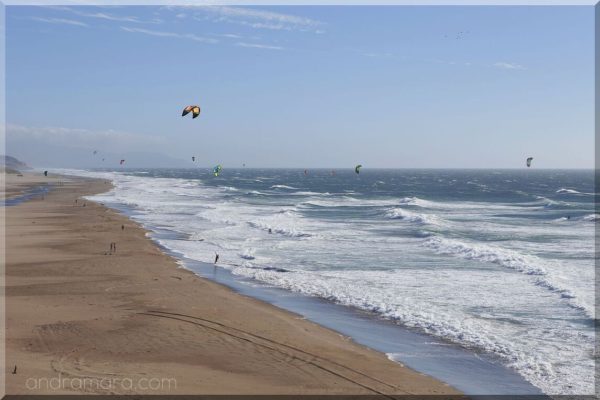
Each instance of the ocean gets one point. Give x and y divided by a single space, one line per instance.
500 262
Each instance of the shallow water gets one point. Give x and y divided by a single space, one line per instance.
34 192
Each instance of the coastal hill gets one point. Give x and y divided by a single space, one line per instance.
12 165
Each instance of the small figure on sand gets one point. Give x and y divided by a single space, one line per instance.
113 247
216 257
122 227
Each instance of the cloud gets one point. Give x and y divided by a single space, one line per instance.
252 17
111 140
62 21
258 46
229 35
506 65
106 16
189 36
110 17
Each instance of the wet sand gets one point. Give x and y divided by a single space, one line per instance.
81 319
15 185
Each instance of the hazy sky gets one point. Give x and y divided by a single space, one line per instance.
318 86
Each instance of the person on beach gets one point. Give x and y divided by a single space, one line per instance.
216 257
122 227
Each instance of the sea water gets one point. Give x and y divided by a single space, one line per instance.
498 261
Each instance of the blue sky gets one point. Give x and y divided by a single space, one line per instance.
398 86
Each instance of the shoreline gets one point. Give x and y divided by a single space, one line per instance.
74 309
469 371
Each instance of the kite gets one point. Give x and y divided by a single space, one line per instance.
217 170
193 158
529 161
195 110
357 168
122 162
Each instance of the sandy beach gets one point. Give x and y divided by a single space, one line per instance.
133 321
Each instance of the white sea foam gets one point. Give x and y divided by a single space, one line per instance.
524 263
405 215
591 217
370 291
283 187
567 191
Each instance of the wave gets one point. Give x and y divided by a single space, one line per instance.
415 201
591 217
526 264
405 215
585 218
256 193
438 321
456 205
348 201
573 191
283 187
567 191
507 258
248 254
278 230
307 193
547 203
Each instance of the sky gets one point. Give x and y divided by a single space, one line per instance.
301 86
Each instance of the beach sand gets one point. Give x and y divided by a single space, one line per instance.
82 320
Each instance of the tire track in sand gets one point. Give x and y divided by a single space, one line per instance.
264 342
